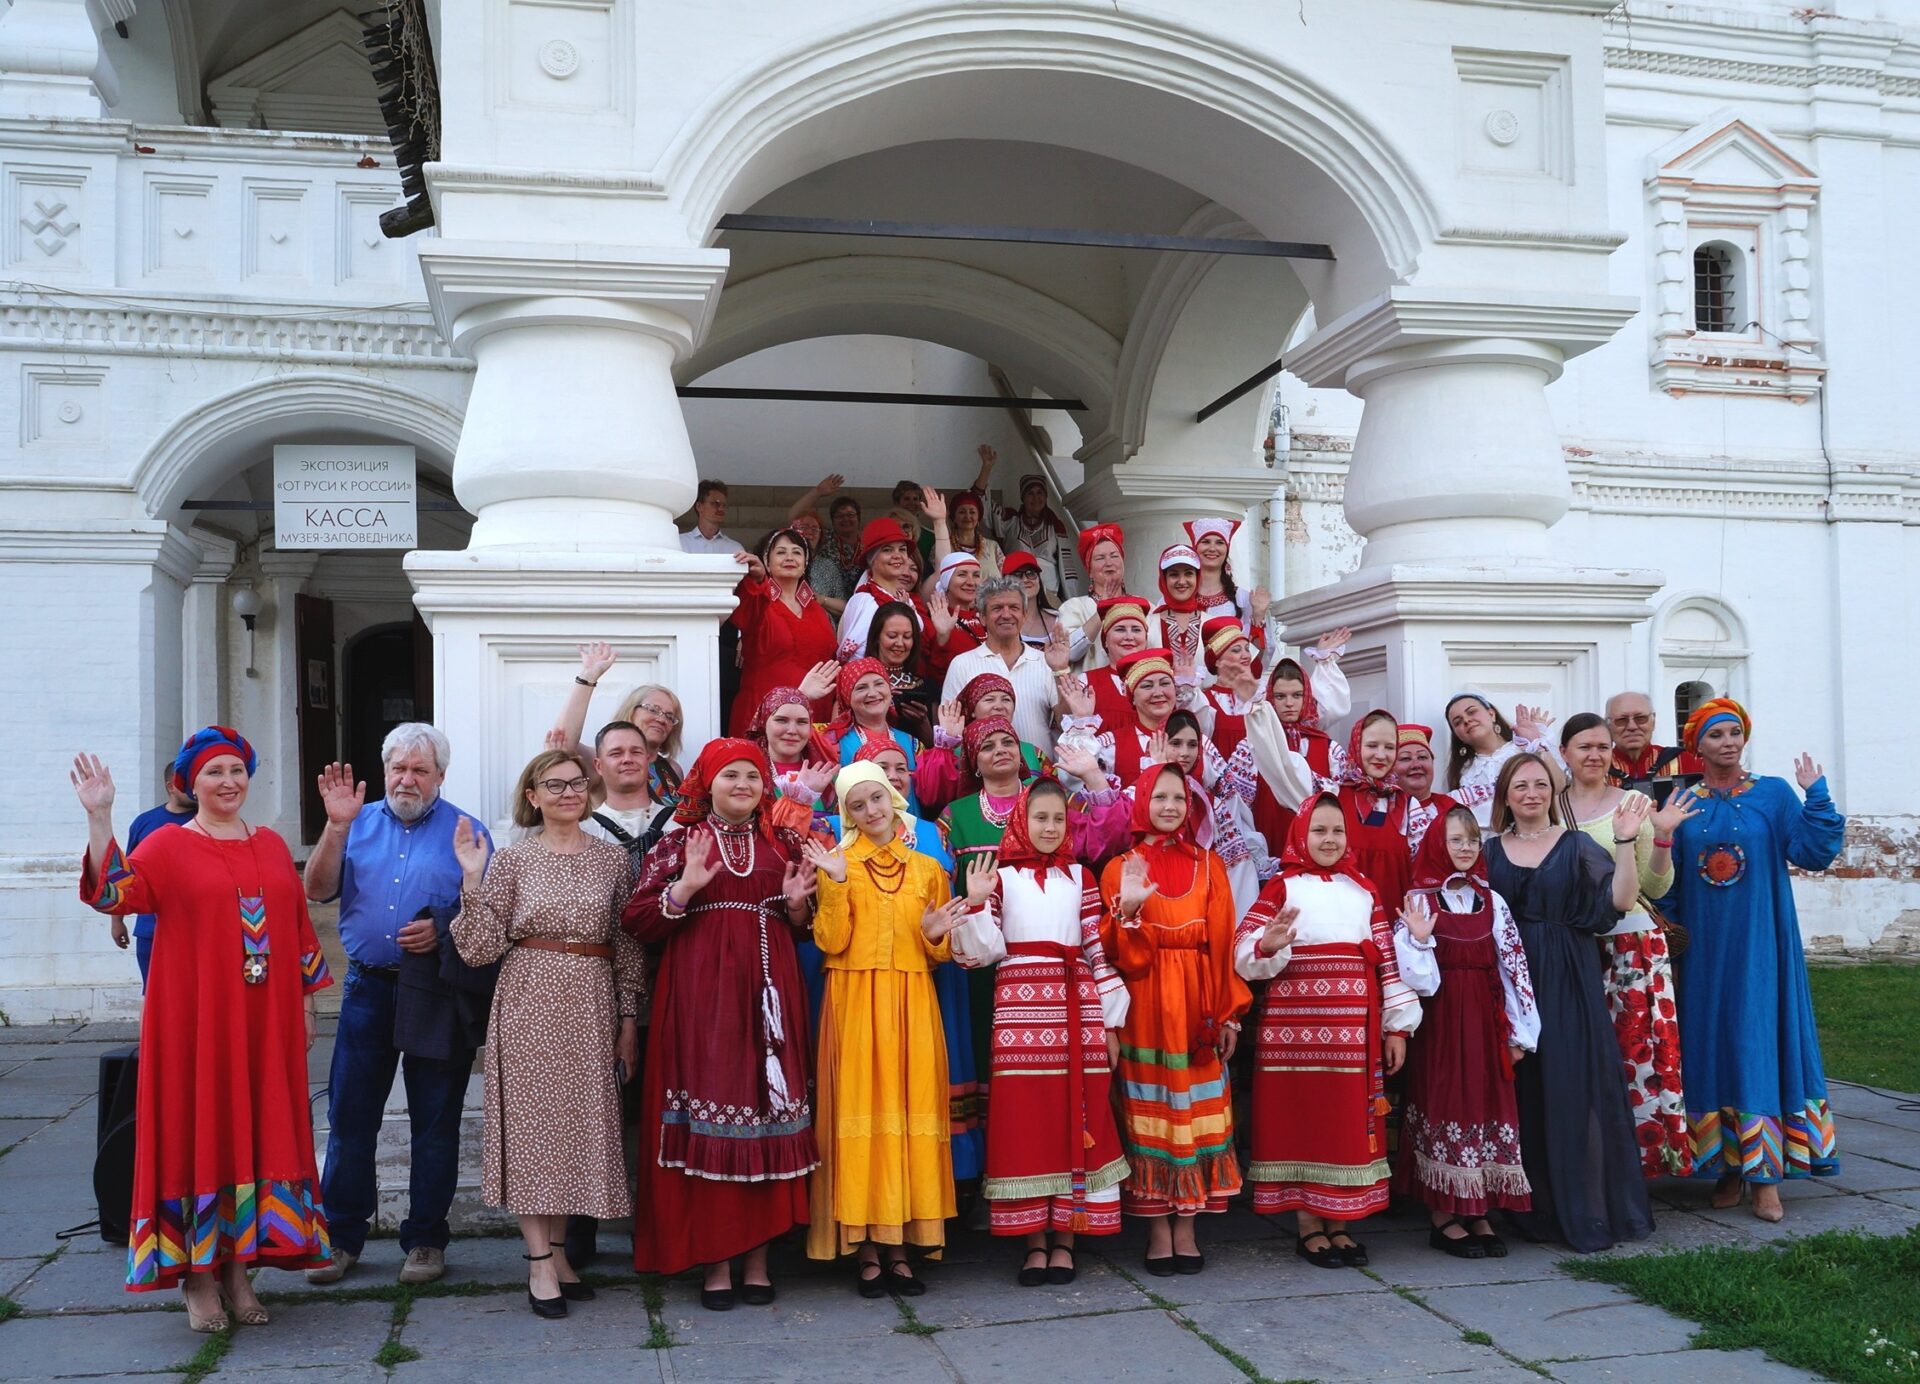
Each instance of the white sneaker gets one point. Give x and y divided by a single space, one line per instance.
424 1264
337 1270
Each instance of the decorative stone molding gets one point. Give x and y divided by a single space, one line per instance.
177 327
1725 182
317 79
61 404
1515 113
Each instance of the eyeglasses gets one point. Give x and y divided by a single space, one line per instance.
672 718
559 786
1644 718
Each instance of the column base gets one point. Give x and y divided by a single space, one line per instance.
1545 634
507 627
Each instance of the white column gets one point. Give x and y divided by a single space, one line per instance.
203 693
1152 503
1456 480
574 459
52 64
272 719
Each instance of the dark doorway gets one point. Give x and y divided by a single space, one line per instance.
314 703
382 683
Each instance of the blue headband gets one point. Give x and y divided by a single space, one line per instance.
210 742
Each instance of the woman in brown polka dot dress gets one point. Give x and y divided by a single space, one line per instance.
564 1012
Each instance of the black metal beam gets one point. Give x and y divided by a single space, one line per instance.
1253 381
857 396
266 506
1028 235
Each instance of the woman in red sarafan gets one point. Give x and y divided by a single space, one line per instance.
726 1113
224 1170
784 630
1376 807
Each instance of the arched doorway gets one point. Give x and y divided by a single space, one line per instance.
386 677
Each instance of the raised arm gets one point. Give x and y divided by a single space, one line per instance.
109 882
595 660
1284 768
1816 834
342 798
819 491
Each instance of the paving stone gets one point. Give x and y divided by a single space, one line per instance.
1148 1344
295 1374
480 1260
1851 1136
1371 1336
46 1089
1721 1366
502 1324
1909 1199
1854 1103
11 1034
340 1335
630 1366
87 1283
1245 1272
1860 1173
1563 1319
114 1342
30 1229
1809 1215
108 1031
1680 1230
1407 1261
982 1294
895 1359
816 1307
14 1131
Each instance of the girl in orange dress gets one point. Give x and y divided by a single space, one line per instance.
1168 929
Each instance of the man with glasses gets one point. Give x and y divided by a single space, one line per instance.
388 863
1637 761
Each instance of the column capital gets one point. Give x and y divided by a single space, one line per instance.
476 288
289 566
139 542
217 556
1408 328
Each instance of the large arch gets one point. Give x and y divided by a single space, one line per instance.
210 441
1201 111
971 310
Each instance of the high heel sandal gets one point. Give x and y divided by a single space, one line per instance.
1030 1276
551 1308
1465 1246
209 1325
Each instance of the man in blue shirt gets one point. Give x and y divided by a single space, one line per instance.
176 809
387 862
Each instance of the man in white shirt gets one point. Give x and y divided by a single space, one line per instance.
1034 675
709 513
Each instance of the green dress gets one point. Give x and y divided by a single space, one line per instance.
969 831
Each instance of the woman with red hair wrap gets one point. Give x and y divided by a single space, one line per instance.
1168 929
224 1171
1293 754
1054 1161
1756 1091
1333 1024
726 1124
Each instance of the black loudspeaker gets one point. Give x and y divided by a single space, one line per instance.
113 1162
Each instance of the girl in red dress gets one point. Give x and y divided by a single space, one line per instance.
726 1113
1333 1025
1460 1124
784 630
1376 808
224 1170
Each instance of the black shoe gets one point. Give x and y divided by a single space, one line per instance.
551 1308
1161 1267
901 1282
576 1292
1030 1276
1466 1246
717 1299
756 1294
1057 1274
871 1287
1326 1257
582 1240
1353 1253
1189 1263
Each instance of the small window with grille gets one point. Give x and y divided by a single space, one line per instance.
1688 697
1716 288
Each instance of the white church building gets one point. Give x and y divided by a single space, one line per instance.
1593 315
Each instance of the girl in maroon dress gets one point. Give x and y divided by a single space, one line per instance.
1460 1124
223 1150
784 630
726 1115
1376 808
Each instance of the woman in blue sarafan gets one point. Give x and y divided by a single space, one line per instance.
1756 1093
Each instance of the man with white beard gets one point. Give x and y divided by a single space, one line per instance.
388 863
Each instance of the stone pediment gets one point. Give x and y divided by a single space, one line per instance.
317 79
1725 150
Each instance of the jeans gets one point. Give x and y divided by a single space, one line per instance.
364 1059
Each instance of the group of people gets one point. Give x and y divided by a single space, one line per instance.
973 908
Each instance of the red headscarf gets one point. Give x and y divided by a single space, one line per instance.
874 746
696 790
1092 538
772 702
968 499
850 673
1357 774
1186 840
977 687
1433 867
1016 845
1178 555
1297 859
976 736
1308 726
877 534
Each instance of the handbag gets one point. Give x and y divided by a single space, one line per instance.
1670 928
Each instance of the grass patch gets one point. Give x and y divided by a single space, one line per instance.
207 1359
654 1294
1844 1304
393 1353
1476 1338
9 1309
1866 1015
913 1326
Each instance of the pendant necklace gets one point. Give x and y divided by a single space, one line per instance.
1520 835
253 910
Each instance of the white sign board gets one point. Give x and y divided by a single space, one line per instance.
344 497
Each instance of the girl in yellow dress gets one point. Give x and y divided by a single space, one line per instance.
886 1167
